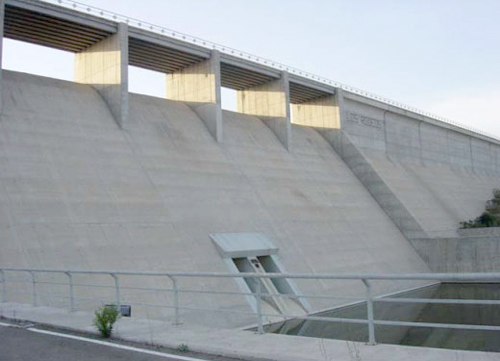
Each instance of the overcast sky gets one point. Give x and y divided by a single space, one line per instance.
442 56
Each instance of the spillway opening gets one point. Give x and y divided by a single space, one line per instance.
272 288
228 99
445 337
256 253
52 63
147 82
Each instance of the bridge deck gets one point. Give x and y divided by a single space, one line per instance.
70 30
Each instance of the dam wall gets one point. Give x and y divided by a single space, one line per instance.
79 192
95 177
442 174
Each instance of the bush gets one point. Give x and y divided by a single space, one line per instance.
489 218
105 318
484 220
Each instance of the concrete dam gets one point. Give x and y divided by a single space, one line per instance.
305 177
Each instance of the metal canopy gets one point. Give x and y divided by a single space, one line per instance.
42 29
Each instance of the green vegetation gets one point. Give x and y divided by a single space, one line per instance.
105 318
490 217
183 348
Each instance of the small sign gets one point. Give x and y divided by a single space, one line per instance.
126 310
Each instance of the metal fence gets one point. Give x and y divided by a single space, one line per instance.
109 15
259 295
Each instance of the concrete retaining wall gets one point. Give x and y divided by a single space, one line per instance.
461 254
480 232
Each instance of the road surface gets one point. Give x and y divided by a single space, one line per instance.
29 343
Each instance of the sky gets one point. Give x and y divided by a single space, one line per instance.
440 56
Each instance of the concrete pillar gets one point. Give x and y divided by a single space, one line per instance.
105 66
200 86
2 12
271 103
320 113
324 114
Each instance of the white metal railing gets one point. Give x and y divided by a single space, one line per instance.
108 15
259 296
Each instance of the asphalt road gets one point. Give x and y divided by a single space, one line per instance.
19 344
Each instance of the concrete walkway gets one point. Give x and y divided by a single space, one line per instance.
235 343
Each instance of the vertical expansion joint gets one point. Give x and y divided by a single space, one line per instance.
285 79
385 134
420 142
341 109
448 146
2 13
175 289
216 71
33 283
471 155
124 55
4 288
71 293
341 105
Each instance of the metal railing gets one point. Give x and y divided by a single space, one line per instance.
260 296
109 15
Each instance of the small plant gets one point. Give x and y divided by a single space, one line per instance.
183 348
105 318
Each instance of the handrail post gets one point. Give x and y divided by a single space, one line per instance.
71 296
117 289
369 308
176 300
33 284
4 289
258 299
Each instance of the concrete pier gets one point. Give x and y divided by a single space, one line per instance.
200 86
323 114
104 65
320 112
271 103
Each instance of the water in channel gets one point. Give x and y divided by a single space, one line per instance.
415 312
